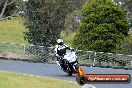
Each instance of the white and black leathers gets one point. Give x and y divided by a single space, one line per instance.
60 53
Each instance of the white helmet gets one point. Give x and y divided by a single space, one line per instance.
59 41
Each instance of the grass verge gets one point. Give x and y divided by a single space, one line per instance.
12 30
12 80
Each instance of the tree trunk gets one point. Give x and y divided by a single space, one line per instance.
3 10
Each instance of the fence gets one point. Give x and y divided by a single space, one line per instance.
43 54
102 59
31 53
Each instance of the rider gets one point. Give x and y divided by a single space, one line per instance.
60 50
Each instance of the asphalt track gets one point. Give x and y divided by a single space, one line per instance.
52 70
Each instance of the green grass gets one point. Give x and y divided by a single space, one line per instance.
68 39
12 80
12 30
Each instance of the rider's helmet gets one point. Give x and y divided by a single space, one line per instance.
60 42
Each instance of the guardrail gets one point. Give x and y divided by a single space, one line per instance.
42 54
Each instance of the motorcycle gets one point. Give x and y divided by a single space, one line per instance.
69 62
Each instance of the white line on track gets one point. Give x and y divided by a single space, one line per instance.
88 86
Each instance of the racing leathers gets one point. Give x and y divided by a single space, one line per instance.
60 51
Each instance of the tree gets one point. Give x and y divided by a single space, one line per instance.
127 5
126 46
103 26
46 18
7 8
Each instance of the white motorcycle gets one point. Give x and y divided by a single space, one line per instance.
69 62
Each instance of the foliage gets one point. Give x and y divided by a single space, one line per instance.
127 5
103 26
126 46
68 39
69 21
45 19
10 7
68 33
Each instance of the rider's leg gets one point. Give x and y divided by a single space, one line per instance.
74 66
63 64
71 66
59 62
